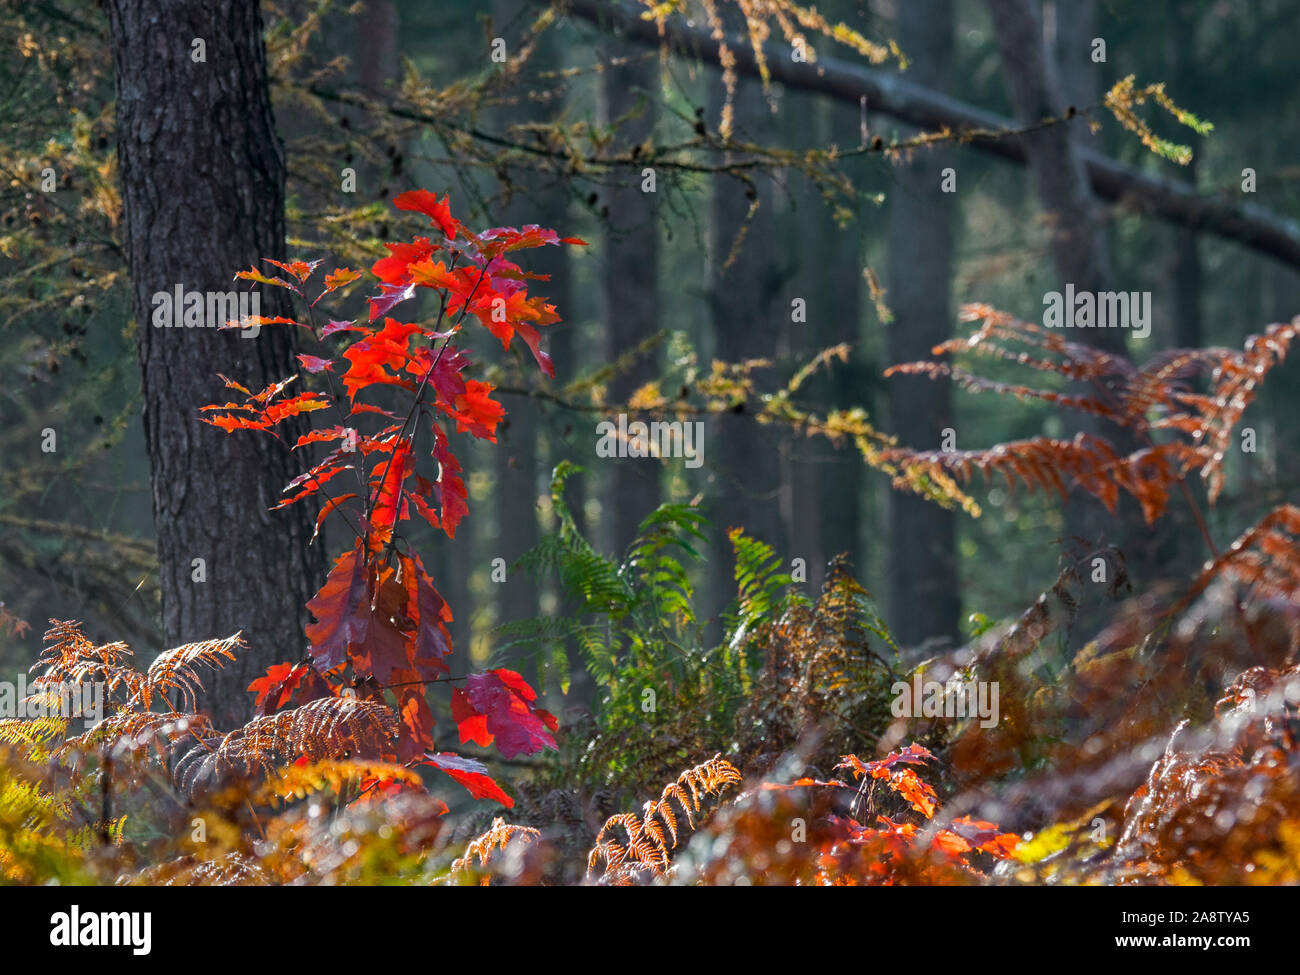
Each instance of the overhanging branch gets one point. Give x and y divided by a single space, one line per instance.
1248 224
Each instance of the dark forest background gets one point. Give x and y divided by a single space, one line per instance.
706 268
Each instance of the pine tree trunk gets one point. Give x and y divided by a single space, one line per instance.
203 176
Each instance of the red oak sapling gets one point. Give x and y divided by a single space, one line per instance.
380 625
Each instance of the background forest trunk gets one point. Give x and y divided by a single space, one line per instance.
1079 245
629 283
743 458
925 599
202 176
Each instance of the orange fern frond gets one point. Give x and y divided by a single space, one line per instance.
1235 382
174 670
1265 557
127 732
329 728
648 847
229 870
1086 462
1153 402
70 658
494 841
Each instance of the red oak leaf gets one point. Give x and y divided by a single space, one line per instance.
314 479
314 364
230 423
476 411
438 211
283 683
505 702
415 719
302 403
371 359
301 270
342 611
342 326
338 278
395 268
432 643
985 836
450 487
469 773
389 295
390 506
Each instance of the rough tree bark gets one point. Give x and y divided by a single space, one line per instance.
925 601
202 175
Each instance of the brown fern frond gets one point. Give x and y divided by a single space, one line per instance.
175 670
1153 402
1235 382
1005 337
1265 558
70 658
973 383
329 728
495 840
648 848
230 870
1087 462
127 732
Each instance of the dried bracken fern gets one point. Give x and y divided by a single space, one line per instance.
70 658
1150 402
174 671
1266 558
229 870
128 732
493 841
1223 802
652 836
825 677
330 728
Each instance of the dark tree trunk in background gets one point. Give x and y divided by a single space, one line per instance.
202 174
515 456
377 60
1073 25
1079 244
745 302
925 601
1181 548
629 284
821 503
1078 240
